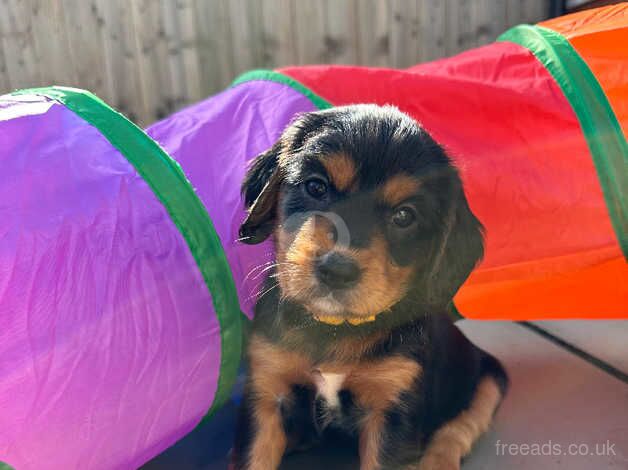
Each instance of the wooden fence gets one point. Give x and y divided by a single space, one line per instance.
150 57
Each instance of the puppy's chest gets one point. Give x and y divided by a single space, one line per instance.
373 384
328 386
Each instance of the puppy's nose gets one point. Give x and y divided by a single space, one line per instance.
337 271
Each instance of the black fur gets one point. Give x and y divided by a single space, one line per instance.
445 247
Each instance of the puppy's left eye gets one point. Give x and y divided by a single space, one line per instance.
403 216
316 187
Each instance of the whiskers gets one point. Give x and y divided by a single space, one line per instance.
291 282
270 270
259 270
243 239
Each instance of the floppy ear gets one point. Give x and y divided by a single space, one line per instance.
457 251
260 189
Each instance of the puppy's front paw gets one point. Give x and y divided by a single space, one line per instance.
438 462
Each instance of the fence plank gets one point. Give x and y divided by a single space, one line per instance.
18 44
51 43
497 20
373 45
533 11
216 62
433 30
464 32
310 27
341 37
404 33
514 12
83 23
152 58
173 63
188 49
246 34
121 80
5 84
278 33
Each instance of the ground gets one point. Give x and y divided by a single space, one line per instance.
567 407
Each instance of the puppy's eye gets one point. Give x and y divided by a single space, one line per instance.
403 217
316 187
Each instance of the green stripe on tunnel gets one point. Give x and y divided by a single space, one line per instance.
599 124
170 185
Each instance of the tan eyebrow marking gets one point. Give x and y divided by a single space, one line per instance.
341 170
398 188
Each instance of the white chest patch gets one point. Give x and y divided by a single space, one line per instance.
328 385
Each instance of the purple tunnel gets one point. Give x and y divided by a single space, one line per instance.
122 284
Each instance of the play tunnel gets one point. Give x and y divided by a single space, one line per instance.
124 292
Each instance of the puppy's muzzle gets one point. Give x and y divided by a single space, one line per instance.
337 271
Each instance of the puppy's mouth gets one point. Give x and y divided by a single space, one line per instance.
330 308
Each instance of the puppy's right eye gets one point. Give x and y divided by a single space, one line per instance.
316 187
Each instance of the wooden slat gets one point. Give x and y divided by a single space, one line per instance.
465 27
246 34
51 41
278 33
216 53
404 33
513 12
533 11
498 18
121 80
487 18
188 43
340 38
84 23
5 84
152 59
18 45
310 27
172 64
373 18
451 27
433 30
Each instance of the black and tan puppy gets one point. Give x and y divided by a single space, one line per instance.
373 238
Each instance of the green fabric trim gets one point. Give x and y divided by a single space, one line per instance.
599 124
168 182
272 76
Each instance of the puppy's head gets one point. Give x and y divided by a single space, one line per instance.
367 212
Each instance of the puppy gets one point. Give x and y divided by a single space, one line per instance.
373 238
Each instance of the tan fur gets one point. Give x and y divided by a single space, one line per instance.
382 284
370 441
455 439
272 372
296 254
375 385
341 170
270 440
398 188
